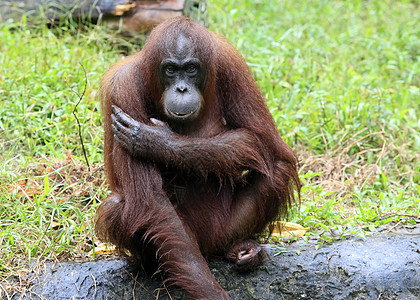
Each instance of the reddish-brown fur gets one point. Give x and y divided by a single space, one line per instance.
204 203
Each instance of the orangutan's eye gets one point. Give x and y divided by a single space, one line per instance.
191 69
170 70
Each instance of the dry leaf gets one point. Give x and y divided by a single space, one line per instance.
286 230
55 225
104 248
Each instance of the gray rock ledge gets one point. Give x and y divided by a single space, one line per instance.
378 267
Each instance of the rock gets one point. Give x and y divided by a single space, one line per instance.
379 267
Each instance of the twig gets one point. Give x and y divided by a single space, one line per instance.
164 286
5 292
135 279
134 286
393 216
77 119
94 282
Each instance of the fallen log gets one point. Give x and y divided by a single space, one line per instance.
380 267
137 15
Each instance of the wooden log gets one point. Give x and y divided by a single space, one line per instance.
147 14
138 15
53 10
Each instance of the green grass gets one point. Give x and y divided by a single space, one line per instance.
341 78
